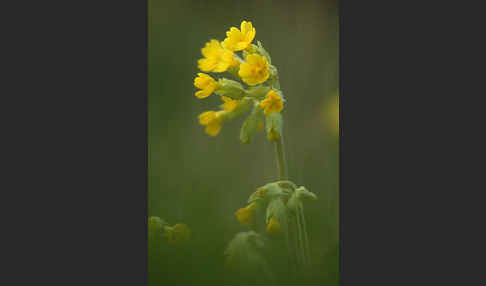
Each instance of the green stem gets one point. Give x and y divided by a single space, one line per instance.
281 164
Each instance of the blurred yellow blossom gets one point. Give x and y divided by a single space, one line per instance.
177 234
237 40
216 58
255 70
206 83
246 215
273 226
272 103
212 120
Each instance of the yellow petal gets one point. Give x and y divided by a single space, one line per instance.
206 65
229 103
206 117
273 226
213 128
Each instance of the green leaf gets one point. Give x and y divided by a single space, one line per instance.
258 92
243 106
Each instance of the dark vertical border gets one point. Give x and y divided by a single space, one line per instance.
79 147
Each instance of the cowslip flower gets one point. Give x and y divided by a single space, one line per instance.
212 120
273 226
255 70
216 58
272 103
206 83
179 233
229 103
246 215
237 40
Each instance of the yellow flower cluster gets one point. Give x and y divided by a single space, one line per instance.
254 70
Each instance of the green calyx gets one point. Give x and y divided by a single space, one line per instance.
250 125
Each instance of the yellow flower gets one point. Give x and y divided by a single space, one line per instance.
206 83
179 233
273 226
229 103
239 40
216 58
272 103
245 215
212 120
255 70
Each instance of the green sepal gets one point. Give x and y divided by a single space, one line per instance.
155 225
242 107
258 92
303 194
262 52
250 125
296 199
272 190
156 232
276 208
230 88
273 126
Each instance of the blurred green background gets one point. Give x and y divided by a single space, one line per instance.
201 180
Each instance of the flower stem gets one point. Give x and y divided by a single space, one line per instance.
281 164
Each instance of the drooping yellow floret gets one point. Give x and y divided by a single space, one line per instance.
245 215
229 103
260 125
237 40
177 234
272 103
255 70
216 58
212 120
206 83
273 136
273 226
